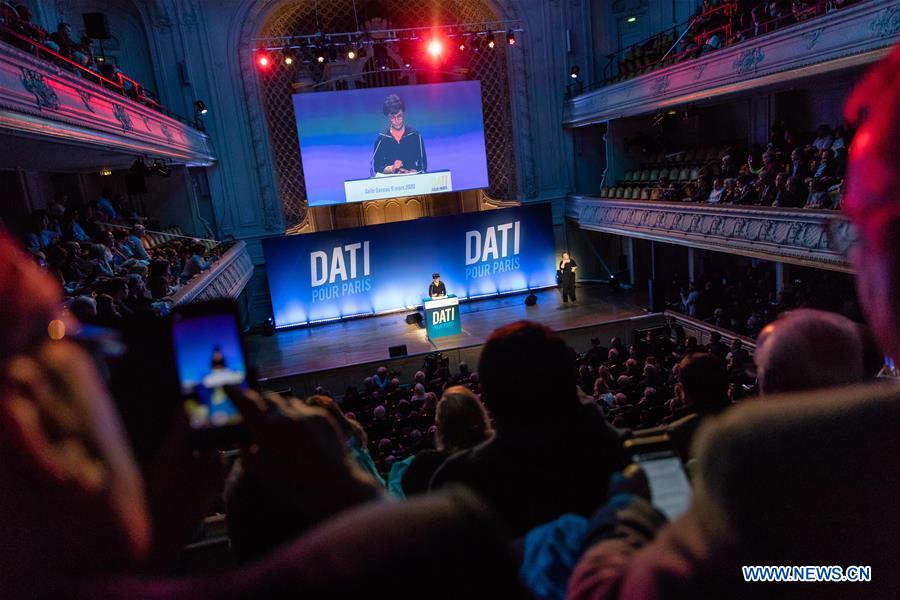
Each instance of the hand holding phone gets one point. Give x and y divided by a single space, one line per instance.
209 355
670 490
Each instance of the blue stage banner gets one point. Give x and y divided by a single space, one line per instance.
368 270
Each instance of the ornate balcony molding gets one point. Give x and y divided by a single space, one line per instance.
849 37
780 234
225 279
41 100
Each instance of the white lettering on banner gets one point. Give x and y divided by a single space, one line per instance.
490 245
318 275
495 245
473 251
343 267
337 267
445 315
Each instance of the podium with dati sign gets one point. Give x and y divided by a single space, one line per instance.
442 317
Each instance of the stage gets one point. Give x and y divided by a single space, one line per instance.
297 352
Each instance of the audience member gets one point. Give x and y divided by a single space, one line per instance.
462 423
808 349
550 455
715 194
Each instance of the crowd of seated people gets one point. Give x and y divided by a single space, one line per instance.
400 419
18 29
108 264
744 301
401 433
717 24
794 171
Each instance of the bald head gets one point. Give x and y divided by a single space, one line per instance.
807 349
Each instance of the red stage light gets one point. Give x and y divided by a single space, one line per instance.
263 60
435 48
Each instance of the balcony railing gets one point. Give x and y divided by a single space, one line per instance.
226 278
849 38
810 238
692 39
111 79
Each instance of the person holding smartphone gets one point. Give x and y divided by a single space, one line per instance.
566 275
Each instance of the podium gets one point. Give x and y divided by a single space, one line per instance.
392 186
442 317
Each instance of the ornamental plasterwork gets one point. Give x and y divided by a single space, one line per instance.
776 234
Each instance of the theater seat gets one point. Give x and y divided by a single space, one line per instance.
645 193
655 193
684 174
626 193
654 175
673 174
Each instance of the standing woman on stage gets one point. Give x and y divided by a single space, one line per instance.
566 275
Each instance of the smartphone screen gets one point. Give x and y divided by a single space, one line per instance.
208 356
670 490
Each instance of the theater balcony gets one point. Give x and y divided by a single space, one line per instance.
50 103
845 39
226 278
802 237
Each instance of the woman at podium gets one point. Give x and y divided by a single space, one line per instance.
437 287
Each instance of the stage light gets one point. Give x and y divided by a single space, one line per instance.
511 38
320 56
351 54
462 46
631 19
491 43
160 169
200 107
263 59
575 72
105 172
435 48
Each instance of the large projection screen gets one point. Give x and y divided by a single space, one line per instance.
373 144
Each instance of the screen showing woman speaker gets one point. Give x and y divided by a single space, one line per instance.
372 144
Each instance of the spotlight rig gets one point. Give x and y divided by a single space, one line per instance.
430 42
